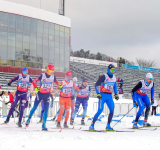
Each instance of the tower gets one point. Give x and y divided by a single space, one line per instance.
61 9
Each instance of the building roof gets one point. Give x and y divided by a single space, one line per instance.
33 12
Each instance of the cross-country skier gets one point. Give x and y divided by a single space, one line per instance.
82 98
21 93
140 98
46 86
72 104
42 106
107 83
66 94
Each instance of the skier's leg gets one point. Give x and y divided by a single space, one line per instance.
139 101
84 105
46 107
42 111
100 107
36 102
72 107
15 101
152 110
110 105
77 104
147 104
61 103
67 108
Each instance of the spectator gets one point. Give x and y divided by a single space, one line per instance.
10 100
155 104
111 59
121 83
120 90
118 80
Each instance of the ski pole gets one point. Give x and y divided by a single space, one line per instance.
124 116
57 93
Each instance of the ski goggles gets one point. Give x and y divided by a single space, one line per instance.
25 72
51 71
113 69
150 78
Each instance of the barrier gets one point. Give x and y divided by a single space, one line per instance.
140 68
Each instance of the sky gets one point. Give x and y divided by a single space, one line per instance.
117 28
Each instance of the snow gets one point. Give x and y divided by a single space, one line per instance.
32 138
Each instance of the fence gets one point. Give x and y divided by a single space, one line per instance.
4 109
121 109
140 68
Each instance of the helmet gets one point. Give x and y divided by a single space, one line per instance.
25 71
50 69
68 76
149 76
74 79
85 80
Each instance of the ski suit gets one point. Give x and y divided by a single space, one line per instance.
107 84
139 94
42 105
65 99
46 85
82 98
21 93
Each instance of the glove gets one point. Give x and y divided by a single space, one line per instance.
36 89
87 98
116 97
135 104
6 103
72 98
80 87
9 83
152 101
99 96
60 86
51 104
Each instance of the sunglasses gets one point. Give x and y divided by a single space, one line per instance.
69 76
113 69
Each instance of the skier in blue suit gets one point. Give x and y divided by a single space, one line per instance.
107 83
140 98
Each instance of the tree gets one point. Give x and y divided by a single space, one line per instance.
92 56
145 63
99 56
87 53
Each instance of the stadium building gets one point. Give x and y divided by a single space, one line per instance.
33 38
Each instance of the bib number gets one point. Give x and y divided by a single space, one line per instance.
23 85
46 86
66 91
109 87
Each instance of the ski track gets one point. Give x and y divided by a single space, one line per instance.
13 138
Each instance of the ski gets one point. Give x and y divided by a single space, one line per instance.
106 131
145 128
68 128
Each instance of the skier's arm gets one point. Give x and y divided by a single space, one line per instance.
30 80
55 80
36 80
152 92
98 83
138 86
115 88
76 87
89 93
14 79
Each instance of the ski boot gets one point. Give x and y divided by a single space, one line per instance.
53 118
146 124
135 126
40 121
58 125
71 122
28 122
91 128
44 127
19 124
65 125
82 121
108 127
7 120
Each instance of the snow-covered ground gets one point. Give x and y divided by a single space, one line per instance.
32 138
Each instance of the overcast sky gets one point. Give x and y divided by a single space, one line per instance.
126 28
